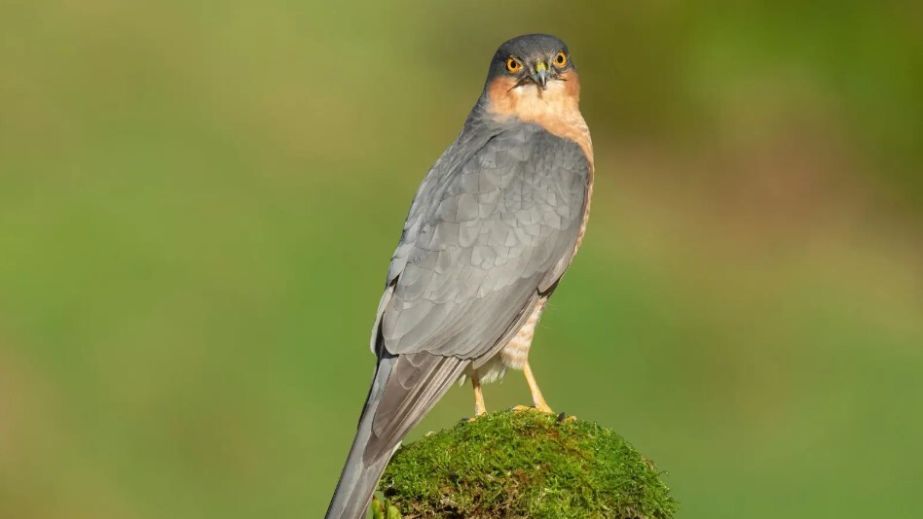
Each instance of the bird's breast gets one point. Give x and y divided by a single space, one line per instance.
556 108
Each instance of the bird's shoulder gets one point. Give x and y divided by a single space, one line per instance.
489 161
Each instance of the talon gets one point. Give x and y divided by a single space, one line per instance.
533 408
544 408
537 397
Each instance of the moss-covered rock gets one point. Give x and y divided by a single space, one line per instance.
524 464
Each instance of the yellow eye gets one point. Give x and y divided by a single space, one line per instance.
513 65
560 60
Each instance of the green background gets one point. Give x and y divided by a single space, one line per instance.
198 201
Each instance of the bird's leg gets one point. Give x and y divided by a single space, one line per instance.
479 407
537 399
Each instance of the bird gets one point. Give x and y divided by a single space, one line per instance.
492 228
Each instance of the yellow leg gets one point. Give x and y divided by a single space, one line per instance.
537 399
479 407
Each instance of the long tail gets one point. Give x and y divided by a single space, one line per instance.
390 411
359 478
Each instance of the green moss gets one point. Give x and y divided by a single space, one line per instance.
525 464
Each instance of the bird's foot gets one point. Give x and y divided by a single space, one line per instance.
563 418
541 408
478 413
480 408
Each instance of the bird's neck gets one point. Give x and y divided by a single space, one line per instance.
556 108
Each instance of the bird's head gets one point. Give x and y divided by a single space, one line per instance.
532 73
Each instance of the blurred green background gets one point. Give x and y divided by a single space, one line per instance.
198 201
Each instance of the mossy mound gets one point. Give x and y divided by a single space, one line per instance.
525 464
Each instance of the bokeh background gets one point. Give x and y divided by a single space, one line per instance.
198 201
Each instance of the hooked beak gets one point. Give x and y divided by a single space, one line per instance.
540 74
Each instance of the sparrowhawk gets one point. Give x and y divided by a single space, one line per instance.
493 227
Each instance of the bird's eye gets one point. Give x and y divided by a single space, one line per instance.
560 60
513 65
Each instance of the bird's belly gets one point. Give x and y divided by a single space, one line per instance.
516 352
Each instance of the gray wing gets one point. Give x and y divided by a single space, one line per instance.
489 232
485 240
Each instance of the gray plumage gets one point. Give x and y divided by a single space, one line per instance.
491 230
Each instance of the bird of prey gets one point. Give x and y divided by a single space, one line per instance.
493 227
